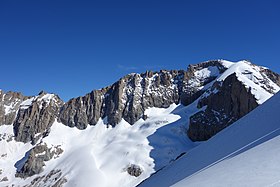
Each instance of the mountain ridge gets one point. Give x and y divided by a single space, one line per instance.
193 106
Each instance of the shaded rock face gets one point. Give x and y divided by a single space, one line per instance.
131 95
35 161
231 101
35 118
9 105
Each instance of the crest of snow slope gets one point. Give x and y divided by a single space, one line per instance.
44 98
245 154
250 75
99 155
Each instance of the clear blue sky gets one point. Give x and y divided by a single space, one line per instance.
72 47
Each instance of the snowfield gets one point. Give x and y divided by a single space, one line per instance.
100 154
245 154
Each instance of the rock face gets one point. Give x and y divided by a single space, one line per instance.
229 104
35 117
131 95
81 111
230 99
9 105
225 101
35 161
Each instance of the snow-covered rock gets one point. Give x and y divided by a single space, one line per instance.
245 154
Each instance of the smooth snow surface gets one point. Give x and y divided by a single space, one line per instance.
245 154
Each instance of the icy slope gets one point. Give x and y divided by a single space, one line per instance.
244 154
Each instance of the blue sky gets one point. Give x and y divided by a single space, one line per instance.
72 47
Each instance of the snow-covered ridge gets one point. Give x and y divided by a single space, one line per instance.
253 78
44 98
147 137
245 154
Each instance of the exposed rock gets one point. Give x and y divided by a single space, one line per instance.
272 76
134 170
6 136
4 179
131 95
35 161
54 178
231 102
9 105
57 151
81 111
35 117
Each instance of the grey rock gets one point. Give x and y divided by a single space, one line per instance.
81 111
9 105
35 161
4 179
129 97
134 170
227 102
230 103
34 121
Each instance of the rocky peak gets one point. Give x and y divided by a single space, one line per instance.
35 117
239 90
131 95
9 105
210 82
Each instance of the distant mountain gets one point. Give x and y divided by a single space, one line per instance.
125 132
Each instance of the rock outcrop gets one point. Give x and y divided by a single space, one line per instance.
131 95
134 170
9 105
230 103
35 117
35 161
230 99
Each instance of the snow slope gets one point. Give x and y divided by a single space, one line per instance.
245 154
99 155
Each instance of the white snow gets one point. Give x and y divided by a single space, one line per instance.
227 63
251 77
245 154
10 153
47 98
26 103
8 109
204 73
99 155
